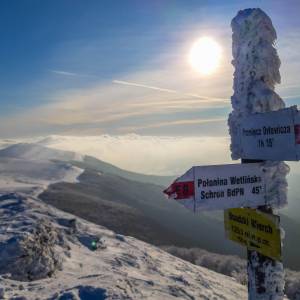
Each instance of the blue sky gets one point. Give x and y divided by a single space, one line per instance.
61 61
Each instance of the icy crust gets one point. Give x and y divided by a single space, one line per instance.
256 66
273 284
276 183
256 72
55 259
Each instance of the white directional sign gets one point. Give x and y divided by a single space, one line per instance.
220 187
271 136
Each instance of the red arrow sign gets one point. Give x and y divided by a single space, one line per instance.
181 190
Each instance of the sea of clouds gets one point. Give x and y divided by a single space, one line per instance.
159 155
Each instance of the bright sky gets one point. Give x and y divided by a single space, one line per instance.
119 67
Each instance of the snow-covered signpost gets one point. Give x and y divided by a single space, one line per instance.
256 72
263 133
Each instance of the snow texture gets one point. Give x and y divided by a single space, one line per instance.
27 254
276 183
56 259
256 66
273 278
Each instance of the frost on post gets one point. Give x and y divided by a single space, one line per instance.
272 276
276 182
256 66
256 72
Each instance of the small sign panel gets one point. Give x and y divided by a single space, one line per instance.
220 187
271 136
256 230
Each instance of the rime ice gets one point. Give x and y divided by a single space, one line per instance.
256 72
256 66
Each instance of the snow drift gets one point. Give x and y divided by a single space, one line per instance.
57 259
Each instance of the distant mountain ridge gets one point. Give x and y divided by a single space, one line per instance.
95 164
29 168
34 151
54 255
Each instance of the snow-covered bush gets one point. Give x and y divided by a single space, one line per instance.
34 254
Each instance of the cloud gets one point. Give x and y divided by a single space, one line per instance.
147 154
144 86
291 96
128 106
154 91
290 86
70 74
168 90
110 107
64 73
160 93
174 123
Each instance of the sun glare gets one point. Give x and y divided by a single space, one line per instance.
205 55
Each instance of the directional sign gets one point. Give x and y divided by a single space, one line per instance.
271 136
220 187
256 230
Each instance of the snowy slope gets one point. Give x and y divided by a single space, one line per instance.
33 151
4 143
29 168
37 241
45 254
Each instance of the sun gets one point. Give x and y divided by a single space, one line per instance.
205 55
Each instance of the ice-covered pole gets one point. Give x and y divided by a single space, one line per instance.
256 72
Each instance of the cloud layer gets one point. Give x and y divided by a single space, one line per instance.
147 154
